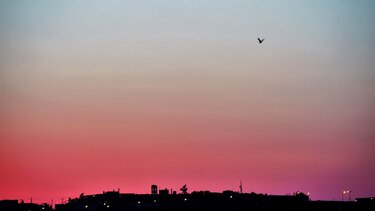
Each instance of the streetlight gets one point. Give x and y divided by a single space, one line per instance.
347 192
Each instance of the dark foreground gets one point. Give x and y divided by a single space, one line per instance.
196 201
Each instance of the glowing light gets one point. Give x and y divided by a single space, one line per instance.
107 206
185 199
139 202
86 206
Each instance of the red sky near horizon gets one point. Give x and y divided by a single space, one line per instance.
106 95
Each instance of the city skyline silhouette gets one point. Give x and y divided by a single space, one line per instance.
169 199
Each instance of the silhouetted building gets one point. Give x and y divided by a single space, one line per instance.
366 203
154 189
112 194
6 205
164 192
13 205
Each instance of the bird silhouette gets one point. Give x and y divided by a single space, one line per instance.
260 41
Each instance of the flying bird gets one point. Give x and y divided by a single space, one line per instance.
260 41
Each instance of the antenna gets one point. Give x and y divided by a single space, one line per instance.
240 186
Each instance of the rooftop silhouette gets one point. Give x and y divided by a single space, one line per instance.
169 200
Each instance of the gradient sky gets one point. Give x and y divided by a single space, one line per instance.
100 95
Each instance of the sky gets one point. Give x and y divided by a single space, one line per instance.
101 95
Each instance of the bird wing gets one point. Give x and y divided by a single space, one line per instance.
259 40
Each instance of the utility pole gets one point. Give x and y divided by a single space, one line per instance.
343 193
240 186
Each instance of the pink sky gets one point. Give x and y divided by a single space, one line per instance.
99 97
